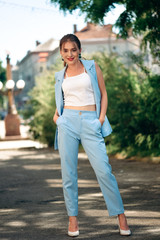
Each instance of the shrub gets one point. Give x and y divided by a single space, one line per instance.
134 106
41 107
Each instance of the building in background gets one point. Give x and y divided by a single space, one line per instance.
96 38
32 65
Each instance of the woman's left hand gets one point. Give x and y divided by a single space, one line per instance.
101 121
56 116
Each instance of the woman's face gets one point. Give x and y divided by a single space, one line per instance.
70 52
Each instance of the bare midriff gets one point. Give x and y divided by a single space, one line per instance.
82 108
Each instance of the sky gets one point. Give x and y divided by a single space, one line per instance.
24 22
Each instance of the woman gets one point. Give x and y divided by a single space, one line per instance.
81 101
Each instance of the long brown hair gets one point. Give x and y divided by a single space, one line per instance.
69 38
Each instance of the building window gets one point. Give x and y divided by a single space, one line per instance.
41 69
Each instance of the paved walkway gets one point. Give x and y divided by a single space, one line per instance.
32 205
12 143
20 144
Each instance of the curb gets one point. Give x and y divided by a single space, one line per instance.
149 159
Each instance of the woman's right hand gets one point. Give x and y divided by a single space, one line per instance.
56 116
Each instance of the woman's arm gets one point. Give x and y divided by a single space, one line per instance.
56 116
104 98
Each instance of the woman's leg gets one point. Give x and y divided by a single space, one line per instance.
95 148
123 222
68 150
73 224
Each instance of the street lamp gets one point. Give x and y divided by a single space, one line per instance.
12 120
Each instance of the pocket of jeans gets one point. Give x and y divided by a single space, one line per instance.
60 120
98 123
94 125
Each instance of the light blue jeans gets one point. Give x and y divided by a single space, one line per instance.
83 126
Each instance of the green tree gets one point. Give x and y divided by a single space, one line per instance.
134 106
41 107
3 80
140 15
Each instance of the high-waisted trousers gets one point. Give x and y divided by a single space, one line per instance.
76 126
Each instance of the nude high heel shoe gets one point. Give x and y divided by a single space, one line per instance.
73 234
123 232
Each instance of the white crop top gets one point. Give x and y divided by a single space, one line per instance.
78 90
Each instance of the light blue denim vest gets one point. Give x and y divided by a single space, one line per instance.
89 65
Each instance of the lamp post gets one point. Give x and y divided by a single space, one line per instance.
12 120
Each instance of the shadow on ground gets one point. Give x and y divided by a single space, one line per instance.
32 205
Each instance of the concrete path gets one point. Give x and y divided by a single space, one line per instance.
32 205
23 142
20 144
